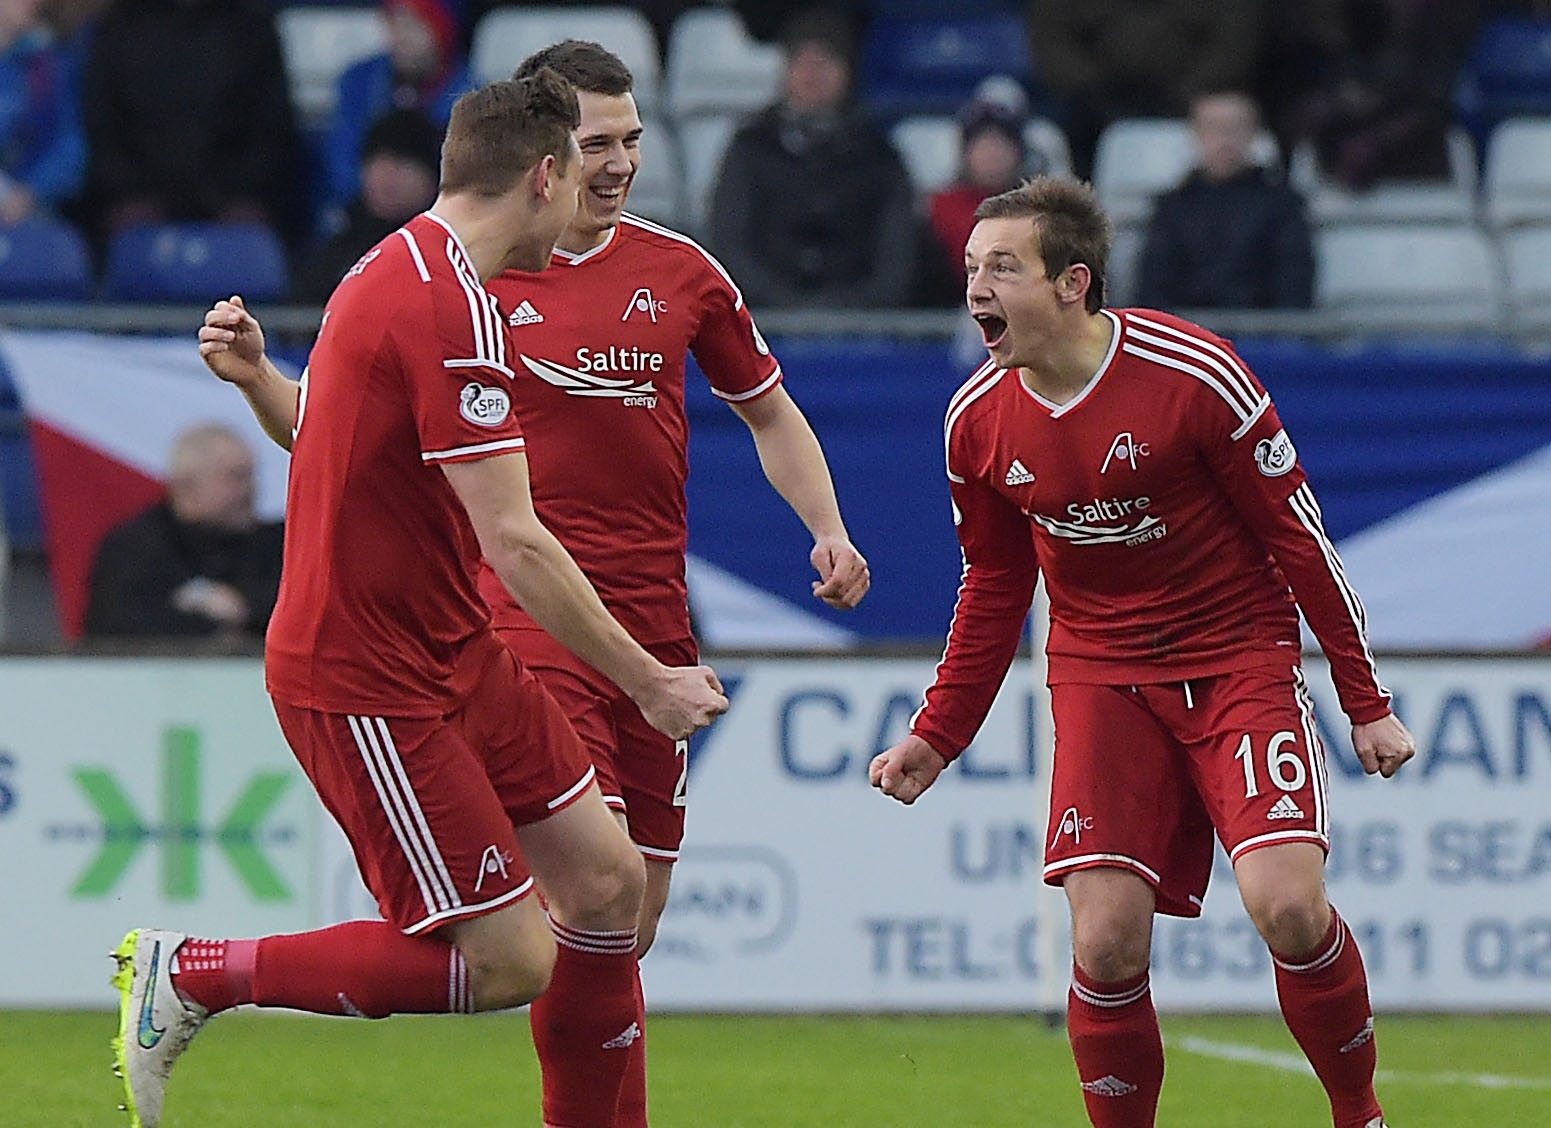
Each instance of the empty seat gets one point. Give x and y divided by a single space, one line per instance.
1517 187
1125 263
1527 263
929 146
1507 73
504 37
195 262
1049 150
932 65
319 44
1138 158
658 189
1391 201
703 141
43 259
715 66
1409 277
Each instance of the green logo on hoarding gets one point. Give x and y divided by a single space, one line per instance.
181 834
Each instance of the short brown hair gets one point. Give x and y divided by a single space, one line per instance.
1068 221
500 131
588 66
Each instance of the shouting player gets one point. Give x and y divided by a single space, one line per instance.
599 343
1134 459
453 773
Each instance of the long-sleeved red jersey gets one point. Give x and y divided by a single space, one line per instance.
1174 525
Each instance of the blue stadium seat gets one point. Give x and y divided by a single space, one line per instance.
932 66
195 262
1506 74
43 259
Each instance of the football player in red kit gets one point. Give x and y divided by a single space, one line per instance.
453 773
1135 460
598 348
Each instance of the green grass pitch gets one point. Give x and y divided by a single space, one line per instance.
252 1069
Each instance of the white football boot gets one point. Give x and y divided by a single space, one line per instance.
155 1025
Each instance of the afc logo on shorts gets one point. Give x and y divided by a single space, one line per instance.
493 861
1071 823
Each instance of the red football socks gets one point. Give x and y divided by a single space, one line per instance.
363 968
1324 997
631 1110
586 1025
1118 1049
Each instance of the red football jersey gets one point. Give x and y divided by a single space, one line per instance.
1167 508
599 342
378 593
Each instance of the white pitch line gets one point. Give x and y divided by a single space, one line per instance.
1295 1063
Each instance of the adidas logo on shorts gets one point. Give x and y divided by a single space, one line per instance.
1285 808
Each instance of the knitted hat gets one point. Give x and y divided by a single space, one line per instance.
441 17
404 133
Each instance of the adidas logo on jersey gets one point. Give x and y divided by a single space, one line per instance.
1108 1086
1018 474
624 1039
525 314
1285 808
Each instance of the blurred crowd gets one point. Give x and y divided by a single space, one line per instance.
851 185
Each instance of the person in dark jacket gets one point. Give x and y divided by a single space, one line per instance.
813 206
188 116
1232 236
199 563
400 166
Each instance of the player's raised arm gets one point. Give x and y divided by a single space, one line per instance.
547 583
231 343
794 464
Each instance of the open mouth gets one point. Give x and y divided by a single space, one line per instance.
608 195
992 329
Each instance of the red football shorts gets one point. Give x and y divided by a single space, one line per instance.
1145 774
429 804
640 771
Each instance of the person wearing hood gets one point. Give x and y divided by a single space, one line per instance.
813 206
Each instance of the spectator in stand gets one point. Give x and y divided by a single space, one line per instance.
188 117
1107 59
1385 108
424 68
400 165
199 563
42 150
1232 236
994 158
813 206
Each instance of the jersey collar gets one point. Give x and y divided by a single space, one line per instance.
1058 409
566 258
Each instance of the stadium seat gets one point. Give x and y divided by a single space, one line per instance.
929 146
1418 278
714 66
44 259
504 37
195 262
703 140
318 45
1048 146
1507 73
658 189
1517 186
932 65
1527 261
1136 159
1391 201
1125 264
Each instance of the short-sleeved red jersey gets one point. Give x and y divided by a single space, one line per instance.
599 342
1167 508
378 593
